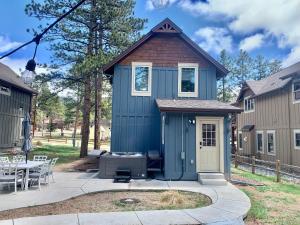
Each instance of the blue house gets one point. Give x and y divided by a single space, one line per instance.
164 99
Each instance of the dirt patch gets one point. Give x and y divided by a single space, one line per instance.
110 202
79 165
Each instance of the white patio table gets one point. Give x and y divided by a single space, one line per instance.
27 166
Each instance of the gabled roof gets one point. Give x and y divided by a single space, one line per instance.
166 26
273 82
9 76
193 105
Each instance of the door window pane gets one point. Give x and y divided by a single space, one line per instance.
209 134
141 78
188 80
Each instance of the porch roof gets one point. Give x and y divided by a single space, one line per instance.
193 105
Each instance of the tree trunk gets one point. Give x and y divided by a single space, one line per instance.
76 119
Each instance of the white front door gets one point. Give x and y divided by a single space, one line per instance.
209 146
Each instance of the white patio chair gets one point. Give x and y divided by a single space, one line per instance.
51 166
9 174
40 158
18 159
4 159
39 174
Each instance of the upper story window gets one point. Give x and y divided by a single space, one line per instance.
5 90
249 104
271 142
187 80
296 91
141 78
260 141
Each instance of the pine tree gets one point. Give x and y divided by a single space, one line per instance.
243 68
88 38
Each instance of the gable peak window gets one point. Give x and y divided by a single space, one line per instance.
296 91
249 104
141 78
187 80
5 90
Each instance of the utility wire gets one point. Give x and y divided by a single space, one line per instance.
38 37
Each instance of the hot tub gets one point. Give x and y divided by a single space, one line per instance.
134 161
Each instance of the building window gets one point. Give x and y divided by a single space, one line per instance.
141 79
296 91
240 139
187 79
260 141
5 90
271 142
21 128
249 104
297 139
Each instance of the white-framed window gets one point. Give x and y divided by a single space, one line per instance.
296 91
188 80
5 90
297 139
240 140
141 78
260 141
271 142
21 128
249 104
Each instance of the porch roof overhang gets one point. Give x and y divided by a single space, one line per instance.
197 106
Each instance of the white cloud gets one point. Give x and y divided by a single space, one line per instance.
214 39
278 18
18 65
157 4
252 42
6 44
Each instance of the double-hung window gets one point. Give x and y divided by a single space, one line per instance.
296 91
187 79
141 79
5 90
271 142
249 104
260 141
240 140
297 139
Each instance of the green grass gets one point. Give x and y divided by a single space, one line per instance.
65 154
274 203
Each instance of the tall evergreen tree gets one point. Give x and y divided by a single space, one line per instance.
243 68
88 37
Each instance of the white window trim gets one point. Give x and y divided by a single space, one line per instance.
188 65
274 136
293 91
252 110
141 93
262 137
21 127
296 131
240 132
3 92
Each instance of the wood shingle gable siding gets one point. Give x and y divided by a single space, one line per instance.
165 51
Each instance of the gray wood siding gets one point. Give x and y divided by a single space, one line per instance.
274 111
136 119
10 116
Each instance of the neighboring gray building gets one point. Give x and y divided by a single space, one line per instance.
269 127
15 101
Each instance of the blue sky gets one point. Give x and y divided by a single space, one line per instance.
269 28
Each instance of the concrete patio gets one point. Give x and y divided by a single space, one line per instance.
229 205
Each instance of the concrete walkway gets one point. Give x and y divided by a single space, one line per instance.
229 207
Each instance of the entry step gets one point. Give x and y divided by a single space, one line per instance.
212 179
